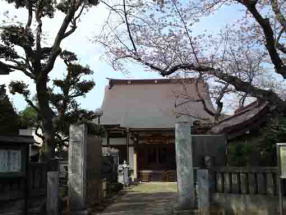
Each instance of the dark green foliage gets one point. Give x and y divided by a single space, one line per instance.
63 96
19 3
46 7
17 35
274 133
259 147
19 87
95 129
8 53
63 6
4 69
9 120
68 56
239 154
23 48
28 117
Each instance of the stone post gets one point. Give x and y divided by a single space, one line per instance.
185 170
77 169
84 180
203 191
52 193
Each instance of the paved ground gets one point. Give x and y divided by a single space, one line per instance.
154 198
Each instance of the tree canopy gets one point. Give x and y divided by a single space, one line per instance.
62 100
23 48
28 117
246 57
9 119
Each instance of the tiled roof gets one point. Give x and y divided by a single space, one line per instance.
153 103
243 119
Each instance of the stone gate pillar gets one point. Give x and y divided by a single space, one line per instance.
84 167
77 169
185 170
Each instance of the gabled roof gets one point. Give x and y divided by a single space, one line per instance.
153 103
21 139
243 120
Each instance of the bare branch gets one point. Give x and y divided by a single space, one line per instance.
18 67
128 28
279 16
187 31
60 35
30 13
269 37
264 95
74 22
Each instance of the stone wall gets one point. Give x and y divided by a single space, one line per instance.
242 204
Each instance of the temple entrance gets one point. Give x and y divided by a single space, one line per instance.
156 162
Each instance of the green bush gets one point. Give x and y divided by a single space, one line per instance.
258 147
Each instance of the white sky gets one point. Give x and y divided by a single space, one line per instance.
90 54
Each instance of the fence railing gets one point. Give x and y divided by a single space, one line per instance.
14 188
244 180
37 179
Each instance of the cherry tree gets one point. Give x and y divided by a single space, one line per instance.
246 58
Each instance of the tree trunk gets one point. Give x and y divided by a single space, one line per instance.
46 115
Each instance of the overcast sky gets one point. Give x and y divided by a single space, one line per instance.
91 54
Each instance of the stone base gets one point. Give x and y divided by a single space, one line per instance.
186 212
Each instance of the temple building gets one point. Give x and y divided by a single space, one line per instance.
140 116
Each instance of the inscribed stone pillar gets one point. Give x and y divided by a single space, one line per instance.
94 191
52 193
185 170
77 168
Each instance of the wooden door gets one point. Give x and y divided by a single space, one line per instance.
156 157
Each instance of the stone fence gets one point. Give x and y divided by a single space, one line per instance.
243 180
239 190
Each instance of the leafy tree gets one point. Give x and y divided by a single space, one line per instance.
63 97
240 154
259 146
274 132
28 117
9 120
159 35
62 100
23 48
